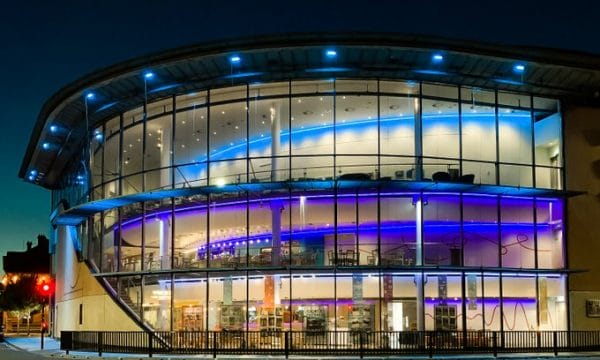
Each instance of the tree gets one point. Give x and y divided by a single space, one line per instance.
21 297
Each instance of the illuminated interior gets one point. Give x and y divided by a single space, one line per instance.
324 258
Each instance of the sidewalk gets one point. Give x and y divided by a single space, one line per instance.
52 349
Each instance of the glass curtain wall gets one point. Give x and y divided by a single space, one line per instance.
330 129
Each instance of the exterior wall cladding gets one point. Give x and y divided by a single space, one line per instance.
325 200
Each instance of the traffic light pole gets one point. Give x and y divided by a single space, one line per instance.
42 330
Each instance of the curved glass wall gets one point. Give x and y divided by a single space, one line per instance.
363 228
332 257
317 260
331 129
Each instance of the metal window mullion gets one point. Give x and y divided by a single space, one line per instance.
172 217
419 135
537 301
500 283
120 157
173 137
143 233
464 304
563 158
533 167
248 229
460 134
289 99
102 162
118 225
482 301
535 233
335 188
247 135
208 196
247 272
497 125
144 129
172 292
356 220
378 131
206 309
378 260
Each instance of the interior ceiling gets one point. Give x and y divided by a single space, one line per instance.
120 88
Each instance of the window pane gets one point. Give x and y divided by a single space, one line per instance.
131 238
157 301
190 149
356 124
158 152
189 302
517 233
312 125
111 158
190 232
227 224
158 235
549 213
478 125
109 241
443 303
399 313
519 303
132 150
440 133
441 231
398 230
514 133
547 128
269 136
480 231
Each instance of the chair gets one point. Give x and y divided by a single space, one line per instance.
350 258
441 176
467 179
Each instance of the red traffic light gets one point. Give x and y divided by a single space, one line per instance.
45 288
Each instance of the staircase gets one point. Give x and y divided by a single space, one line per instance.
124 296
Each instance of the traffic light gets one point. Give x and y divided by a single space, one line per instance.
44 326
45 288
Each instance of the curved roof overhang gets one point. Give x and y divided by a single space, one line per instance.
563 74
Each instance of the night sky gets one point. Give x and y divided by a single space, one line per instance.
47 44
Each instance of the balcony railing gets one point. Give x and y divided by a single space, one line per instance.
356 343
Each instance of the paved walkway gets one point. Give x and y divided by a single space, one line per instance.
52 349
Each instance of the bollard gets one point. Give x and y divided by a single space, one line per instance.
555 342
495 343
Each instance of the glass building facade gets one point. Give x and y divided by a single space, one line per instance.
374 186
330 205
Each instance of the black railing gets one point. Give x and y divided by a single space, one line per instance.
357 343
